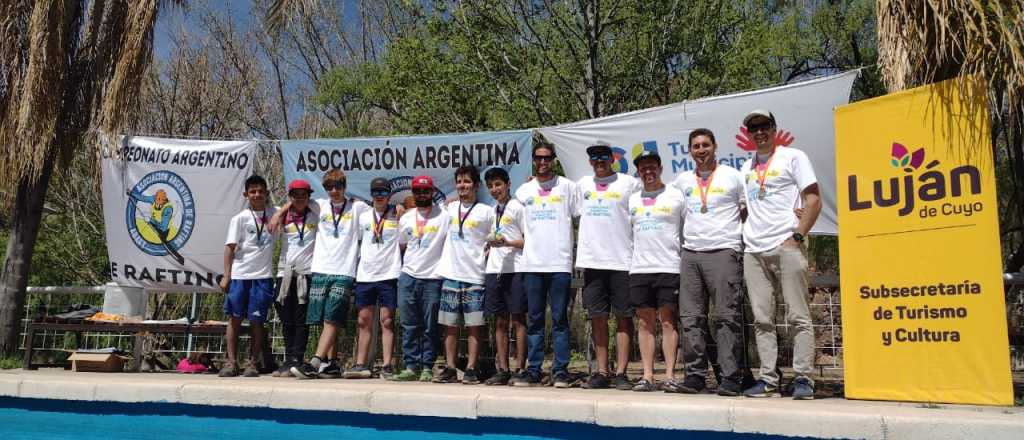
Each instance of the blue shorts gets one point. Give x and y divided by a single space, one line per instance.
250 299
461 300
382 293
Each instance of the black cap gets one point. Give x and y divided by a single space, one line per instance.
380 183
599 147
646 154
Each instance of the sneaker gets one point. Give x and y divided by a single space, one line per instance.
387 372
762 389
502 377
330 370
358 371
597 381
305 371
621 382
527 379
407 375
448 375
729 388
251 369
562 379
469 377
278 372
692 385
427 375
803 389
228 370
645 385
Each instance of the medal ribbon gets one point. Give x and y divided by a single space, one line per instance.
704 186
378 224
336 215
500 210
260 223
463 217
762 174
302 227
420 224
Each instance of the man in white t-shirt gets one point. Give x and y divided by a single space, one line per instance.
248 279
334 269
604 252
778 180
656 213
380 262
551 202
422 234
504 297
298 218
463 263
712 269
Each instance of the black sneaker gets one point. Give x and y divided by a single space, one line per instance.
692 384
527 379
469 377
502 377
331 371
621 382
597 381
448 375
387 372
729 388
358 371
305 371
562 379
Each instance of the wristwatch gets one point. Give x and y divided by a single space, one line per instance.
798 237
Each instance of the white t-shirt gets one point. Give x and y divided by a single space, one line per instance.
605 236
463 256
254 246
547 220
770 221
379 261
424 240
298 241
507 259
656 231
337 247
720 227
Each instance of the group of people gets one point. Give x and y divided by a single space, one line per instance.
654 255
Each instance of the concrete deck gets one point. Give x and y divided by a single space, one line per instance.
823 418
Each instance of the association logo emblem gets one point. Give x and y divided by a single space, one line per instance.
160 214
621 160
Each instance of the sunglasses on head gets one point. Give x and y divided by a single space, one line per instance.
380 193
334 185
600 157
543 158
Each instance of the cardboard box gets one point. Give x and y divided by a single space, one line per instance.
96 362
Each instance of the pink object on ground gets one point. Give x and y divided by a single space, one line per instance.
185 366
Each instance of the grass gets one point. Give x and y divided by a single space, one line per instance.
10 363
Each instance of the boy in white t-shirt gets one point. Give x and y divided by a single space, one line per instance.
778 180
248 252
422 234
380 262
505 298
656 214
462 267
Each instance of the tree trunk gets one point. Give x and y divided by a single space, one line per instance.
28 214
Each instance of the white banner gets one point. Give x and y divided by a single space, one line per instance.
166 206
803 112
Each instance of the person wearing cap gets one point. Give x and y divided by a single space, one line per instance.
551 202
656 214
712 271
421 235
604 252
462 266
777 180
380 262
335 257
298 219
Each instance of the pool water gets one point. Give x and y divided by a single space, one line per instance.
63 419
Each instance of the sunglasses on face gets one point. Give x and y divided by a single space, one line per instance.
334 185
760 127
299 195
380 193
543 158
600 157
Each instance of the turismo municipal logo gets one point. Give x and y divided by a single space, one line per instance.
160 214
621 161
911 190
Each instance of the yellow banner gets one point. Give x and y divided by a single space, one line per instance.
923 315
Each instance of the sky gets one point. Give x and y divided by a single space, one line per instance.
174 18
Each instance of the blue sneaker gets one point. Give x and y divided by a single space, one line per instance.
762 389
803 389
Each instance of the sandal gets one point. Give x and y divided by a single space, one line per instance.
644 385
670 386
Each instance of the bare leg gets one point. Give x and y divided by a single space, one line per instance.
256 346
623 336
451 346
501 341
326 348
646 336
599 331
364 323
474 346
519 326
231 335
669 339
387 333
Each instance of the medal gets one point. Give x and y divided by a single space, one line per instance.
703 209
704 186
761 194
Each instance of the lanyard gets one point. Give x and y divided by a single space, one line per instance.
704 186
762 174
302 227
336 215
260 221
500 210
378 224
463 217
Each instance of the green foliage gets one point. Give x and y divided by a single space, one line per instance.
10 363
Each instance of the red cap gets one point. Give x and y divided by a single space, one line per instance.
299 184
422 182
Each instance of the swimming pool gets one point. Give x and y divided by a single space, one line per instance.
59 419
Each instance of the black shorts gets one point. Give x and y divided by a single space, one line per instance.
654 290
606 291
504 293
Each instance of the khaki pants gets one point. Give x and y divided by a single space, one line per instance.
783 268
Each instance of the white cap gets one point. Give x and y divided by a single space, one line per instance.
758 112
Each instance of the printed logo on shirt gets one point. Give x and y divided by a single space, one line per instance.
160 214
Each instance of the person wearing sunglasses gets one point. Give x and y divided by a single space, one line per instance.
551 202
778 179
604 252
380 262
